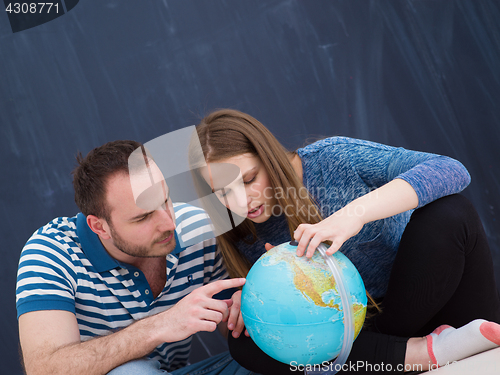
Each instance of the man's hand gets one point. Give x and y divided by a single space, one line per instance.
198 311
235 321
51 344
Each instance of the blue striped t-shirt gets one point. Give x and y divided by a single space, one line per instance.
64 266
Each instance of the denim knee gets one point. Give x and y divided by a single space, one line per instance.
139 366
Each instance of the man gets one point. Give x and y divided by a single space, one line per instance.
111 289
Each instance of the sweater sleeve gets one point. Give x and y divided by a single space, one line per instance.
432 176
436 178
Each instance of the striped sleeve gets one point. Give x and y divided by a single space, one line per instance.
46 278
192 224
194 227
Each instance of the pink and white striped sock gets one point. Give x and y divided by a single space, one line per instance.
447 344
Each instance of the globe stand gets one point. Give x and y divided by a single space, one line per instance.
348 310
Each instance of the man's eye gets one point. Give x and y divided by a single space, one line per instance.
143 218
223 193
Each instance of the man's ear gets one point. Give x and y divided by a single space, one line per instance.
99 226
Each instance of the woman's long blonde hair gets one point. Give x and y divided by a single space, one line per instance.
227 133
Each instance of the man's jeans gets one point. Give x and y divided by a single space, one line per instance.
222 364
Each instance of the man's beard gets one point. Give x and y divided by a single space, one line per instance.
137 250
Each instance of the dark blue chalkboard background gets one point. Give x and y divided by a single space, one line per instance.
424 75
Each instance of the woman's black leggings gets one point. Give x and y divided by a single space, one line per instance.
443 274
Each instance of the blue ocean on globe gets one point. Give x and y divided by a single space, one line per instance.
292 308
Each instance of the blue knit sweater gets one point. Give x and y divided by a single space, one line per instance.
338 170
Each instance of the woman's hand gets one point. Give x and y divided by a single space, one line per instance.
393 198
268 246
337 228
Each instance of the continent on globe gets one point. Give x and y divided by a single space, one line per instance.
292 308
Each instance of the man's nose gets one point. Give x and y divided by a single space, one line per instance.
166 218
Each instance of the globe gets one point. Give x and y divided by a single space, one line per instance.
292 308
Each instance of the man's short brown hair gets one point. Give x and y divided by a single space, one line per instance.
93 172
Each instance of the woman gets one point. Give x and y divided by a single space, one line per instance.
419 247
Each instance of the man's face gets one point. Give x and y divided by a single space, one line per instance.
146 231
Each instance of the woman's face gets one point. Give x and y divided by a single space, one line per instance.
251 194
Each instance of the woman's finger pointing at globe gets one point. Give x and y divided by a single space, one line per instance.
337 228
268 246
